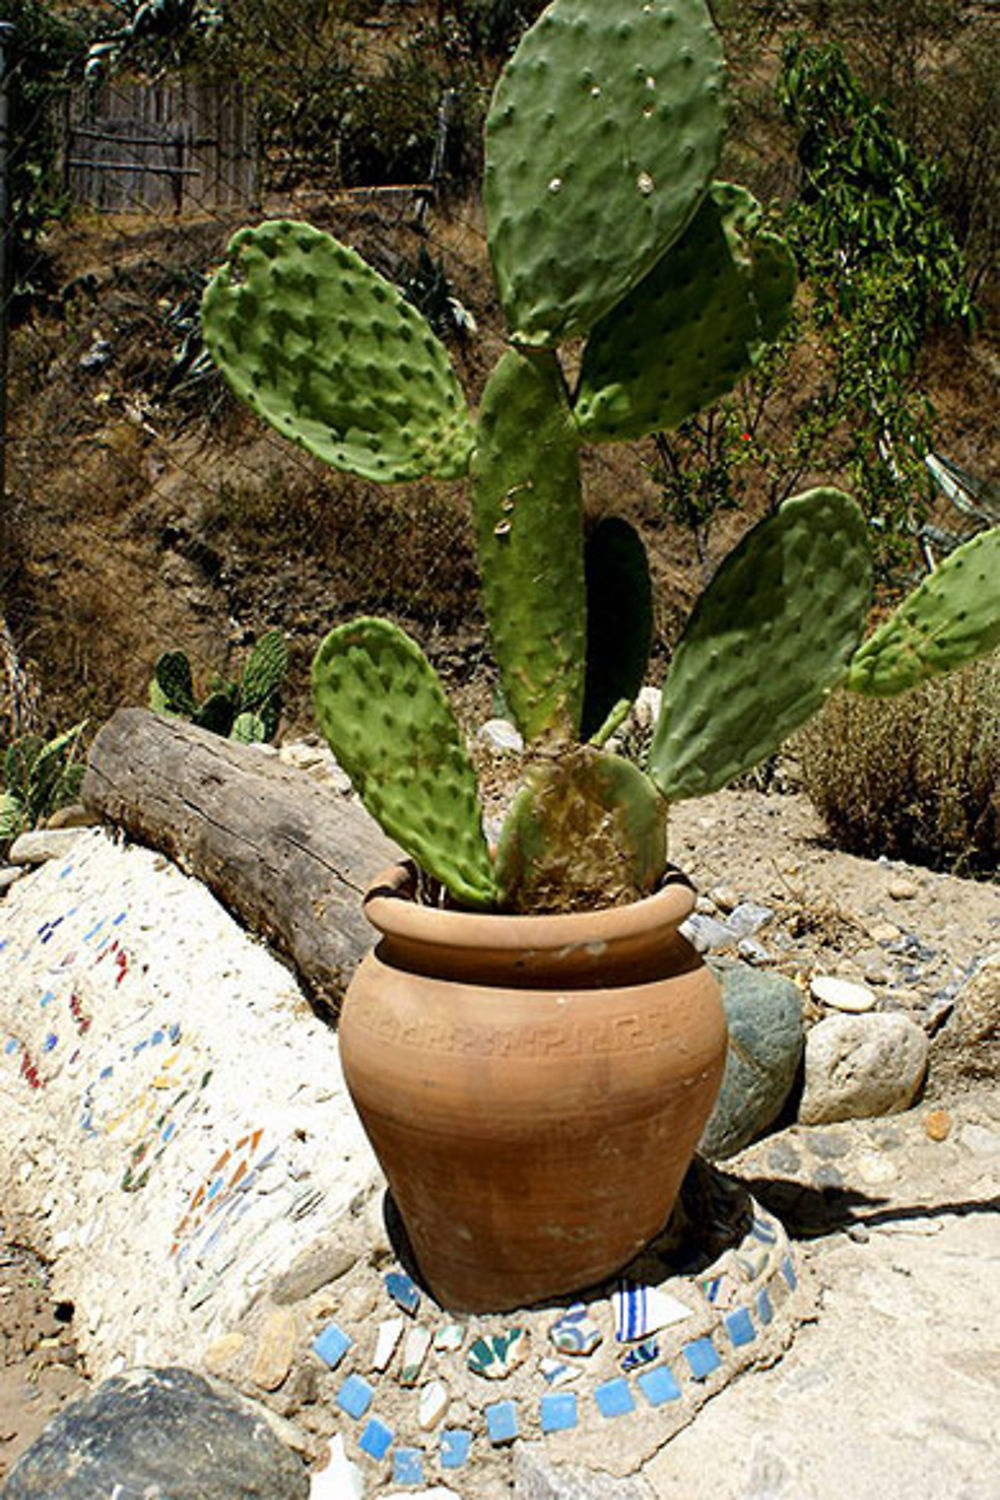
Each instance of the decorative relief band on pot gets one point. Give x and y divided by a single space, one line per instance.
590 1038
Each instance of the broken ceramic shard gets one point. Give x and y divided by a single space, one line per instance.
642 1310
433 1404
639 1355
389 1334
403 1291
555 1372
495 1355
415 1348
449 1338
575 1332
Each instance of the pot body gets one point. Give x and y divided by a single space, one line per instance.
533 1087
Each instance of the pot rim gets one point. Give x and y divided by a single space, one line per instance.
390 907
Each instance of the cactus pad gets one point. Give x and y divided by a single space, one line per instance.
767 641
264 671
382 708
948 621
691 328
529 535
588 830
619 620
603 135
334 357
172 688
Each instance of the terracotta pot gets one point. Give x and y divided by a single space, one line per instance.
534 1087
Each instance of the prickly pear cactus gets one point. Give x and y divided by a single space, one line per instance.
768 640
334 357
952 618
586 828
688 332
604 132
384 713
265 670
172 688
529 534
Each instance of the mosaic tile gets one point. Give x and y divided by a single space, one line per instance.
449 1338
659 1385
614 1397
639 1355
434 1400
495 1355
415 1347
332 1344
556 1372
456 1443
762 1302
390 1331
752 1263
376 1440
702 1357
408 1466
764 1230
575 1332
642 1310
403 1291
721 1291
558 1413
502 1423
739 1326
355 1396
788 1271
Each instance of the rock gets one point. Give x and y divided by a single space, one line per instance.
42 844
275 1349
748 917
8 874
646 708
704 932
222 1354
903 890
73 816
158 1433
937 1125
318 1266
537 1478
725 897
764 1015
861 1066
842 994
966 1048
500 736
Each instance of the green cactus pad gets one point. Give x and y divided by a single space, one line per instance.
529 535
619 620
334 357
172 676
692 328
767 641
953 617
384 713
588 830
249 729
265 670
603 135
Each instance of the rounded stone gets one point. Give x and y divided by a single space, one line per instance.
842 994
158 1433
937 1124
967 1048
862 1066
764 1016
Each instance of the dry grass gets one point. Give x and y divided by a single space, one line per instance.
915 777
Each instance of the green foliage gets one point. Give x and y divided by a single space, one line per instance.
247 710
603 220
39 777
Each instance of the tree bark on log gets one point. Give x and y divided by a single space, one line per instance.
290 857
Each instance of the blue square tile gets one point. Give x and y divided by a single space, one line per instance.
355 1396
455 1445
762 1302
788 1271
558 1412
332 1344
614 1397
501 1422
408 1466
376 1439
701 1357
658 1385
739 1326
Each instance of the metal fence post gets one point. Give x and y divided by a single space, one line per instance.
6 242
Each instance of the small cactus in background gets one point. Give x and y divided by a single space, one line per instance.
605 224
39 777
247 710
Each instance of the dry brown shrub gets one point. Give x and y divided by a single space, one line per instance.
915 777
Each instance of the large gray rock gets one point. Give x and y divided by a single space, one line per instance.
861 1066
766 1037
537 1478
967 1049
158 1433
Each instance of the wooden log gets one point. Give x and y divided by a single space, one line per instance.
287 855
